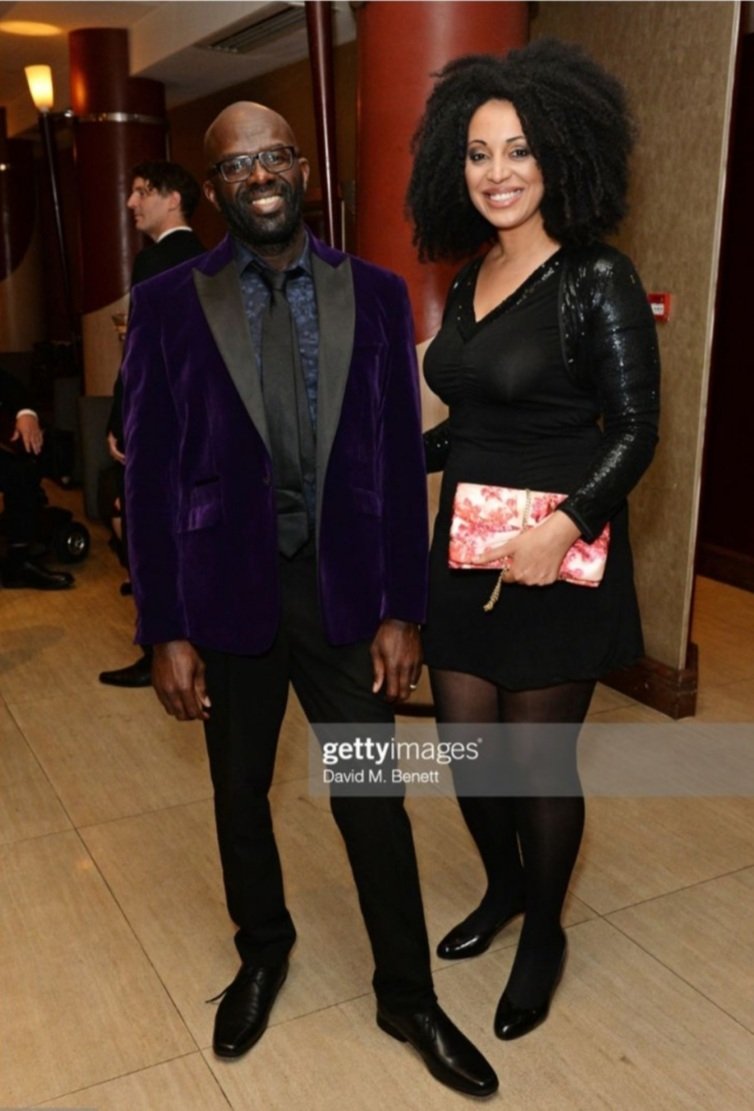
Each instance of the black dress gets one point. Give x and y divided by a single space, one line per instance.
518 419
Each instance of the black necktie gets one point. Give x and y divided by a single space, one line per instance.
288 421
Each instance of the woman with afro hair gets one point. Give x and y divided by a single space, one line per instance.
547 360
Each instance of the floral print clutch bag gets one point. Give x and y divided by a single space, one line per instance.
484 517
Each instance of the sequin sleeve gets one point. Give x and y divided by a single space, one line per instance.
437 446
619 338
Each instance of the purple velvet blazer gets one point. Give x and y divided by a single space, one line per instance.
199 489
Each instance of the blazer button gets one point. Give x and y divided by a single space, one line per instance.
266 479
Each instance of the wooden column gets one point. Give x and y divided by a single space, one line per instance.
319 27
20 293
120 120
400 47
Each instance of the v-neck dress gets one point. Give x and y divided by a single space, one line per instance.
517 419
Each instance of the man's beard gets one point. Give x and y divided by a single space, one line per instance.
277 230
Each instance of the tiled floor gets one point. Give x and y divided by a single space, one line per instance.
113 931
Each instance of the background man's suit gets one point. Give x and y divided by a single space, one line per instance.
206 568
23 497
19 473
178 246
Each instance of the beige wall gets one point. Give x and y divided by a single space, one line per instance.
676 60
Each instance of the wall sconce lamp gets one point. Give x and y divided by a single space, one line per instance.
39 79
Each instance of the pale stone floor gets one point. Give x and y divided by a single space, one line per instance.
113 931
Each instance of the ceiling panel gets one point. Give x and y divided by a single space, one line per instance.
164 44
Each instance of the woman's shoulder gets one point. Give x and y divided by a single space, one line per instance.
467 271
463 281
599 274
598 263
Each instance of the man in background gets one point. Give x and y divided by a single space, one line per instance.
163 198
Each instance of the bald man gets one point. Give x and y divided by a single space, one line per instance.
271 384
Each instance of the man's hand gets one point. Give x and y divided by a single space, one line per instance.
112 447
397 659
178 680
27 430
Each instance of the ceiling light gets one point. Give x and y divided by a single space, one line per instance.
22 27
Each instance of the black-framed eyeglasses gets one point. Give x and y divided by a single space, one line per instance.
276 160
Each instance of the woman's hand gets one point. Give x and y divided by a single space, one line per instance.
535 556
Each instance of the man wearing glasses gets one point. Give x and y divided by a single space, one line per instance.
272 386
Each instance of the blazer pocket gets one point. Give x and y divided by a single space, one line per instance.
369 358
366 501
205 507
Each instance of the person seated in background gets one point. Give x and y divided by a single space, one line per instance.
21 441
162 199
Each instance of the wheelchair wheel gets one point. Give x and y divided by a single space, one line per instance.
71 542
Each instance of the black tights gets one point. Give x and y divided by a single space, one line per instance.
529 841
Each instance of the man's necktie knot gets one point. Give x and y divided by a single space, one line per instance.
277 280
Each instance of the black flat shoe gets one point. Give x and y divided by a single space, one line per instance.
135 675
35 576
469 940
245 1007
447 1053
513 1022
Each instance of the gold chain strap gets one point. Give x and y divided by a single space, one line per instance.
494 597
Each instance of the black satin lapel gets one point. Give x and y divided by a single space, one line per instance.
336 309
220 297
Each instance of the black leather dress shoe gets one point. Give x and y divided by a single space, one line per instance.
245 1007
35 576
447 1053
468 940
514 1022
135 675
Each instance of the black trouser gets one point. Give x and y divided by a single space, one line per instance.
333 684
123 516
20 484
